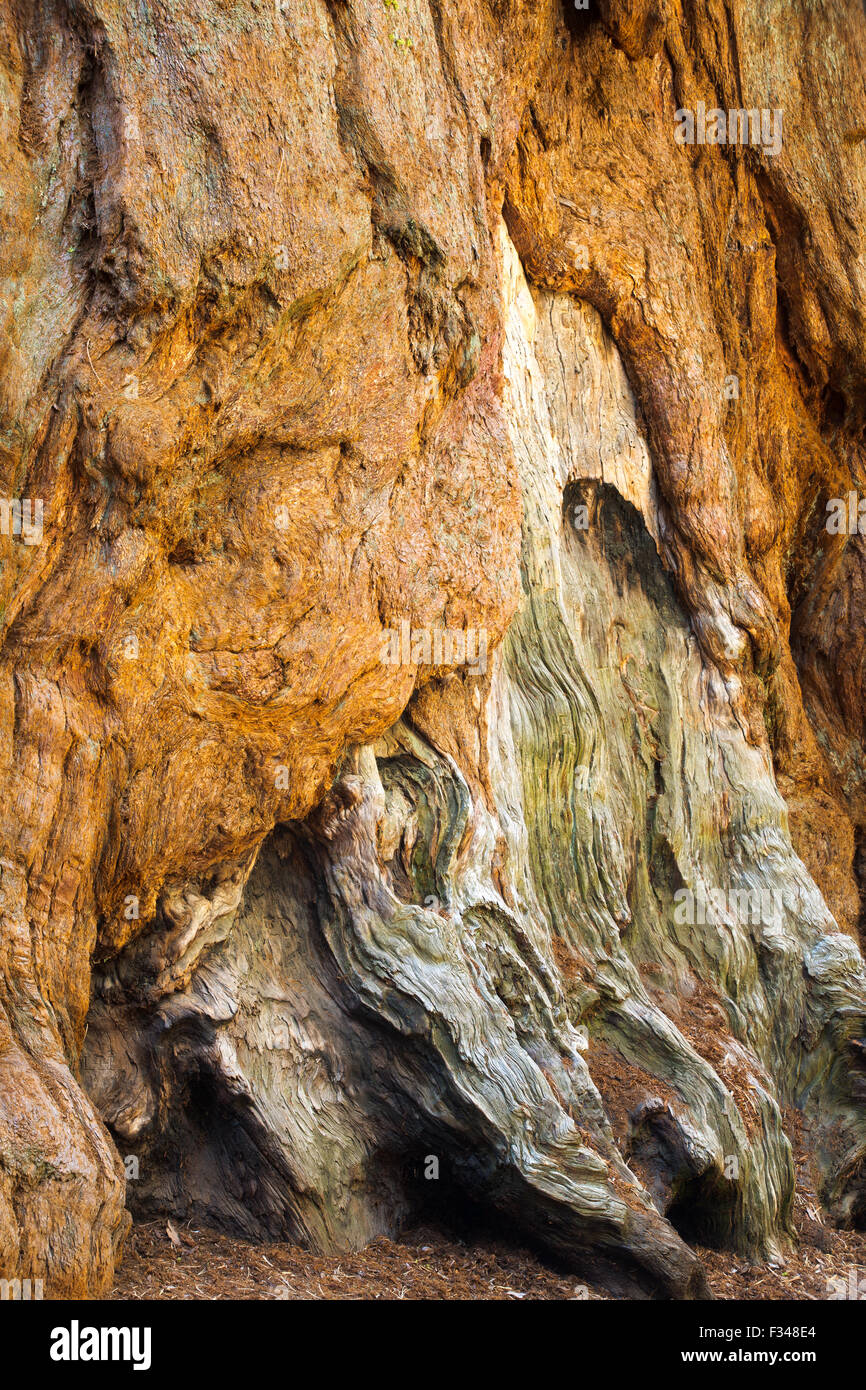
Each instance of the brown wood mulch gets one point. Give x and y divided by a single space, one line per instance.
425 1264
168 1260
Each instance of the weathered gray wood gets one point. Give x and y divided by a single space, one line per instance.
380 997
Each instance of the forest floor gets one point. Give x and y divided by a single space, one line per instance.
424 1264
169 1260
172 1261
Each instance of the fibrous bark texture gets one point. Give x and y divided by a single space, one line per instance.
432 702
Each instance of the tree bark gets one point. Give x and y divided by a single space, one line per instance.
432 709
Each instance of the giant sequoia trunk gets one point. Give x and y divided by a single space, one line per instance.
432 701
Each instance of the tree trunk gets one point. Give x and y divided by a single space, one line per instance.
433 703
